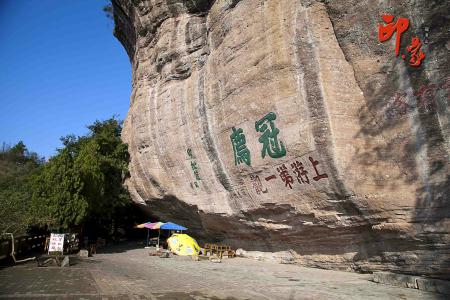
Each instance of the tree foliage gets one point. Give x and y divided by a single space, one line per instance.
57 193
82 183
108 10
17 166
84 180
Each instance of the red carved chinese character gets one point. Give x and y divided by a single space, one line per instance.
445 85
400 104
319 176
416 58
426 97
257 184
300 171
385 32
270 177
284 174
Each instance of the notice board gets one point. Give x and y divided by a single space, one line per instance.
56 242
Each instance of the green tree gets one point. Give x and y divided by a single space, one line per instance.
84 181
57 193
17 166
109 11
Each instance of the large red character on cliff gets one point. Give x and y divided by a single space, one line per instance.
385 32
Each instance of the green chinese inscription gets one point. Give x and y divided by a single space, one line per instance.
189 152
194 168
269 138
241 152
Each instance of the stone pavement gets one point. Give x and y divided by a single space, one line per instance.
127 272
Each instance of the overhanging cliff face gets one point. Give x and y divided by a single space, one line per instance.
285 124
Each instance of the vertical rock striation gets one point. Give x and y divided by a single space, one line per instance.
282 124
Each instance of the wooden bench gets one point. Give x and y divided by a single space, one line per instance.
219 250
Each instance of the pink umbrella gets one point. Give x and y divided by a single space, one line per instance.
154 226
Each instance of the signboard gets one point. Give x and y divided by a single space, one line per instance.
56 243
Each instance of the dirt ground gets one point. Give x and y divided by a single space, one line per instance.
128 272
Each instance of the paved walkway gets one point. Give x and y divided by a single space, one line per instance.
127 273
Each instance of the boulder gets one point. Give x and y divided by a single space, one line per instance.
287 124
65 262
165 255
83 253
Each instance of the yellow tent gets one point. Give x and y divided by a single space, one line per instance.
183 244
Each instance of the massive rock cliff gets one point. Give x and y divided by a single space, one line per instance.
278 124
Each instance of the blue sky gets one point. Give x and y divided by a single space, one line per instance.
61 69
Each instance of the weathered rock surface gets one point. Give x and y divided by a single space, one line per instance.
284 257
346 151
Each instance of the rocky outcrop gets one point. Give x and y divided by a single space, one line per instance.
285 124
